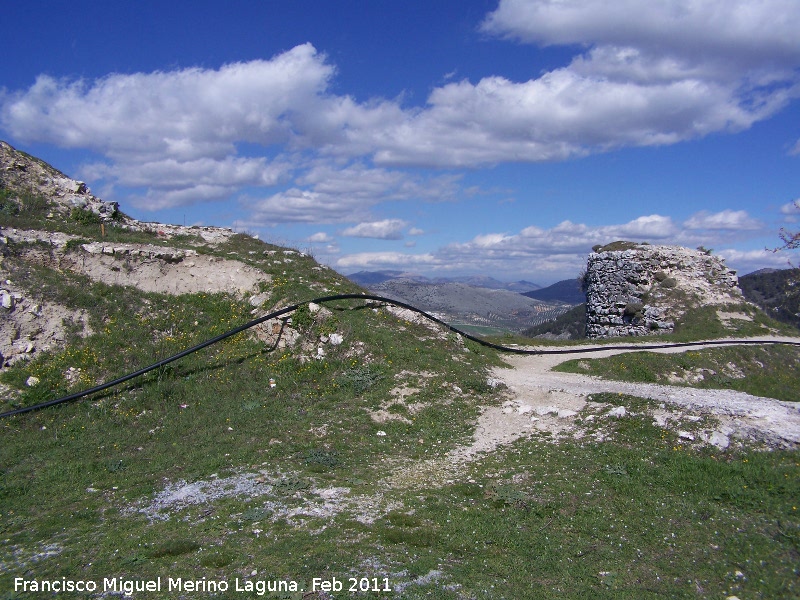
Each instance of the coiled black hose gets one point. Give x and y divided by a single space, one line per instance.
322 300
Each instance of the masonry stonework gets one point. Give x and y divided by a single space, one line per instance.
643 289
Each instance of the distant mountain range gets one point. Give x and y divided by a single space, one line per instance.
370 278
776 291
567 290
477 301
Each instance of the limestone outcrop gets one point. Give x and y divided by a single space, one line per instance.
639 289
20 171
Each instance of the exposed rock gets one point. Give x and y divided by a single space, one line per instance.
641 290
20 171
6 300
617 412
148 267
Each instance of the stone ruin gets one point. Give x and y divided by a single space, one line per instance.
638 289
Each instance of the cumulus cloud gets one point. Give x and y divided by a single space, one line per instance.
764 31
561 251
171 173
184 115
387 229
319 238
375 260
747 261
679 70
676 71
297 205
735 220
329 192
791 211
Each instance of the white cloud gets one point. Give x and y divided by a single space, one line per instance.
747 261
378 260
735 220
184 115
371 185
559 252
319 238
329 192
416 231
157 199
304 206
387 229
791 211
171 173
675 71
739 29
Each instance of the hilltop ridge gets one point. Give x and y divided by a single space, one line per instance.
643 289
351 440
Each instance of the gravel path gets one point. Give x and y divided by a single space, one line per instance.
536 390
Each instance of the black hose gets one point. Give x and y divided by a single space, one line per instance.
322 300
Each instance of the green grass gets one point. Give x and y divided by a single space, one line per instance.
300 480
702 323
771 371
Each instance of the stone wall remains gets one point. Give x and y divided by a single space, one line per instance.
642 290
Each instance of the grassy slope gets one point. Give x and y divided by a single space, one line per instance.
770 371
636 516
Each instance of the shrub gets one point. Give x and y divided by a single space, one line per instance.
85 217
302 318
618 246
634 309
669 282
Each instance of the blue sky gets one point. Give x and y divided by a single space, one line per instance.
503 138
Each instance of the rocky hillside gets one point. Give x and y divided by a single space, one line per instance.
370 278
639 289
566 290
460 303
776 291
24 178
47 225
346 442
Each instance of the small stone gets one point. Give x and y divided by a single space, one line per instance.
32 381
685 435
336 339
617 412
258 299
381 433
719 439
6 300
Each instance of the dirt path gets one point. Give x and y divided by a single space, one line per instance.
552 399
